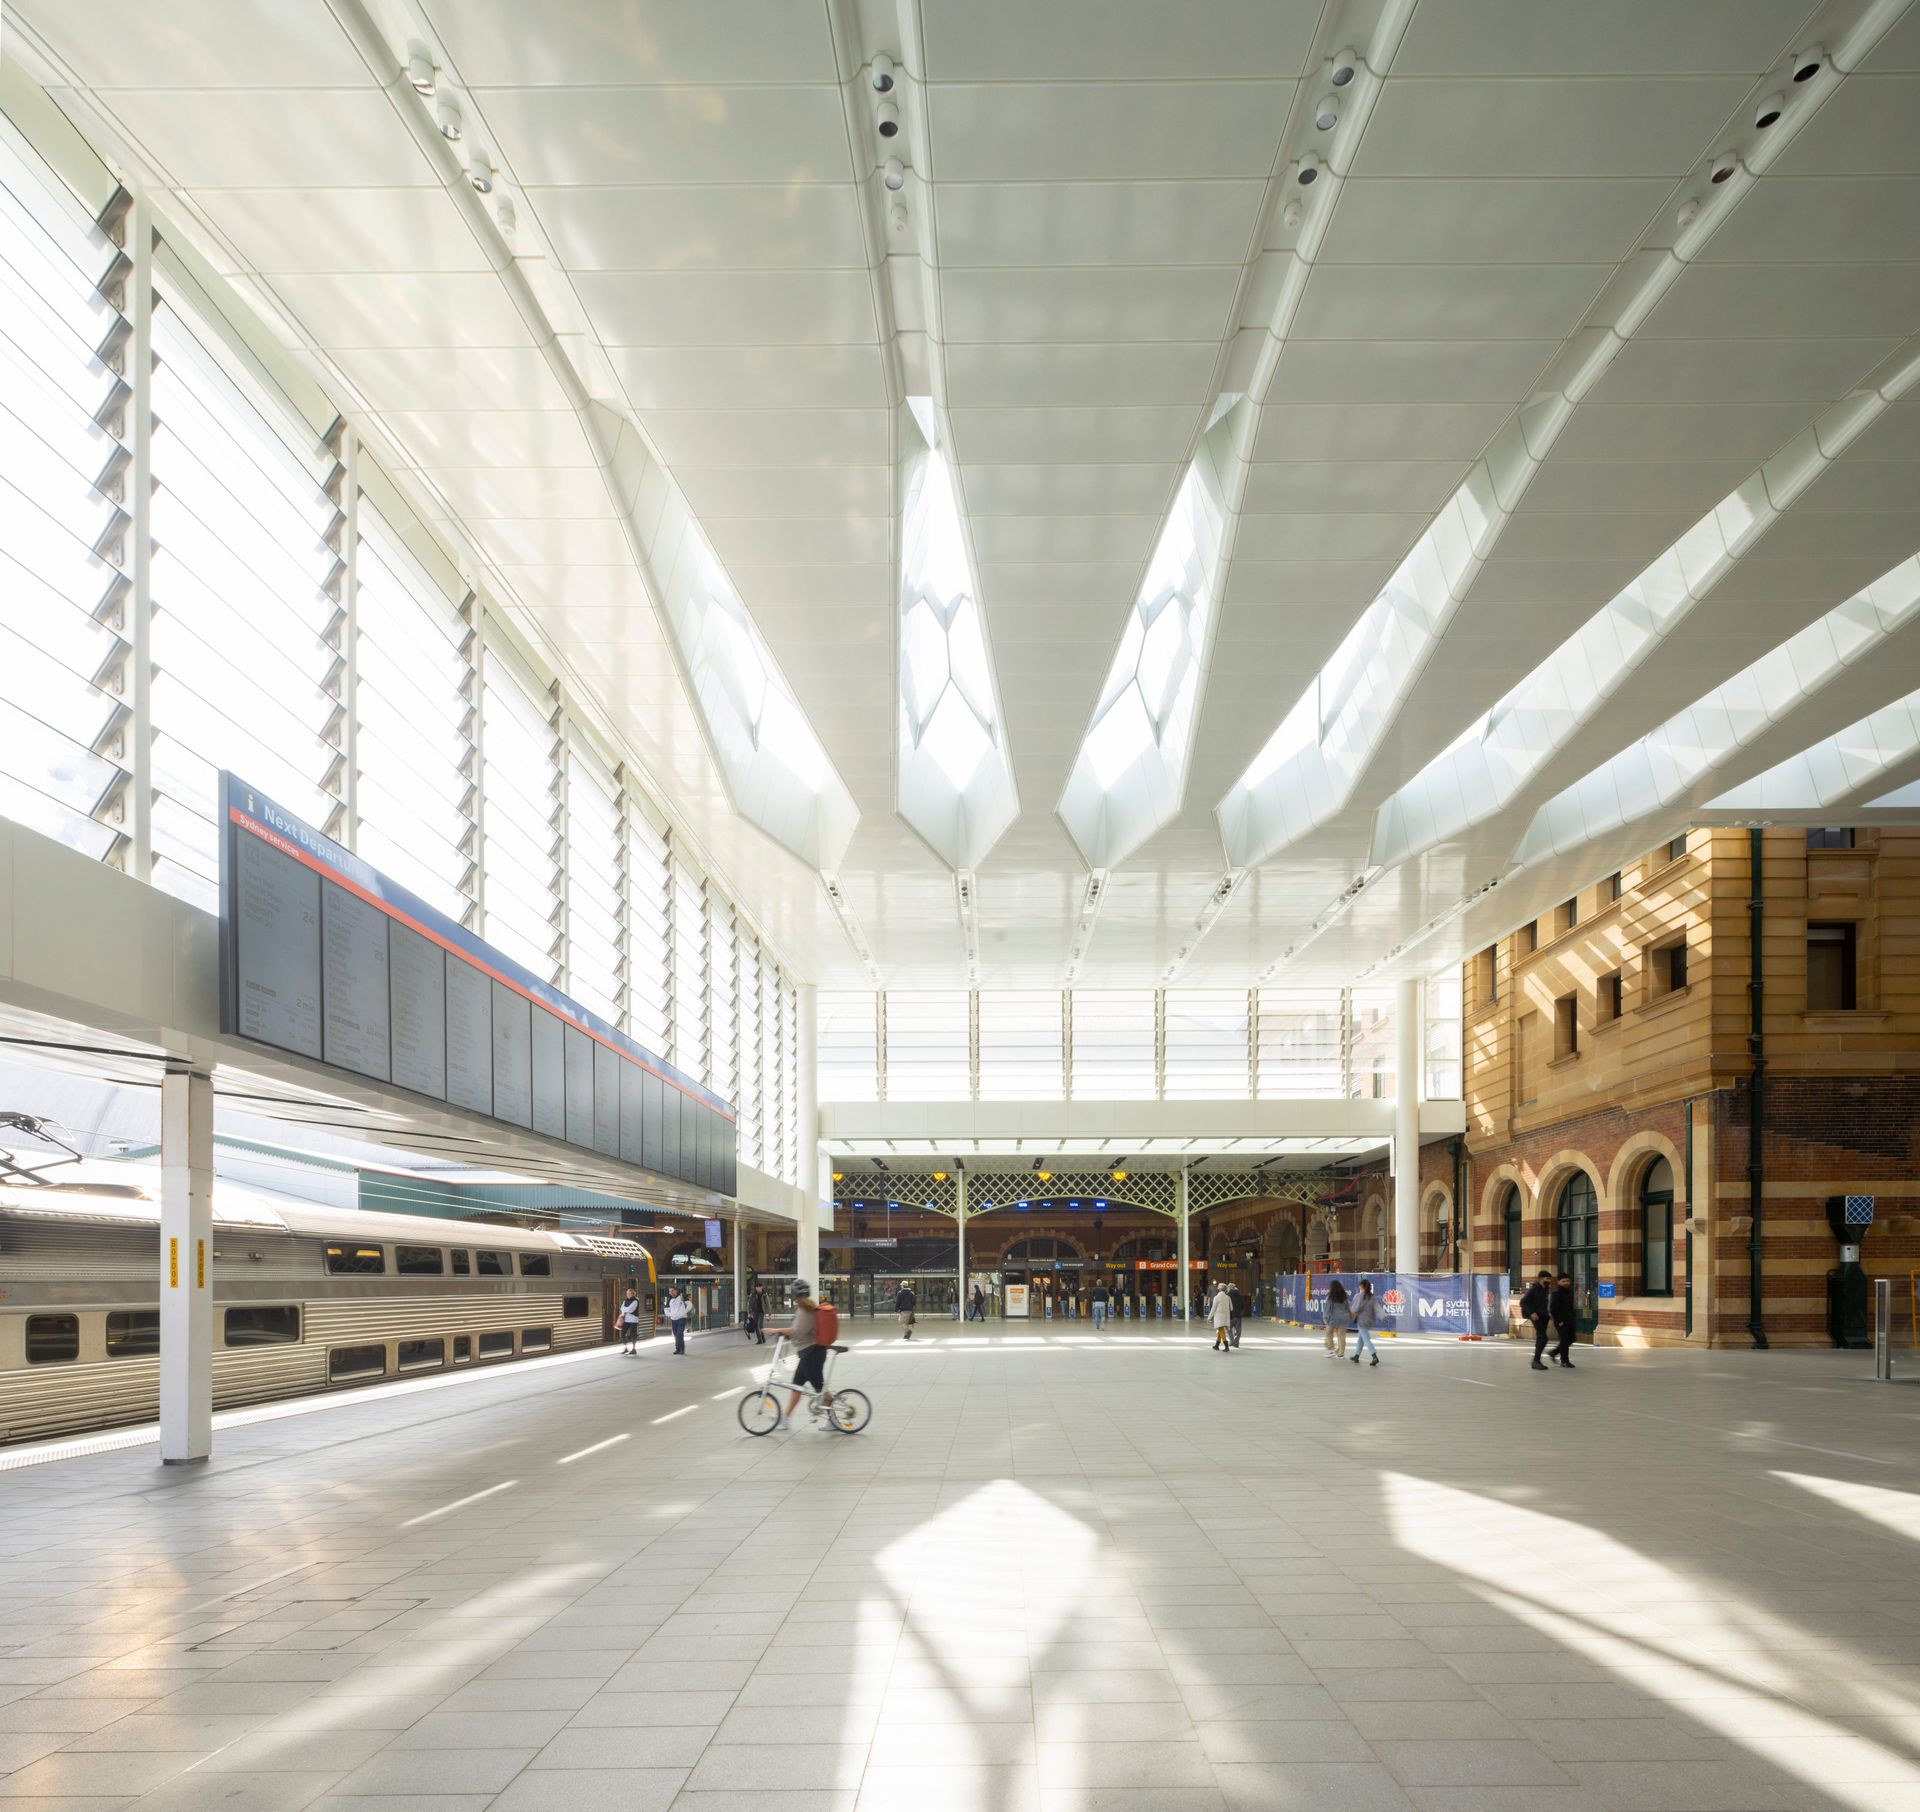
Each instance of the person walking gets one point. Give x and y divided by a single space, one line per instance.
903 1307
1241 1307
1533 1307
757 1315
1366 1316
1337 1317
1561 1312
978 1310
628 1315
677 1316
1221 1314
1099 1307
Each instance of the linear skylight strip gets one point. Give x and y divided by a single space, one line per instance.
1850 767
1313 765
1482 774
956 785
1665 768
1130 775
776 770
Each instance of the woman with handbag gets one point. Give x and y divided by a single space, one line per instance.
1338 1316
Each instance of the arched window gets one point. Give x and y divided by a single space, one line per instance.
1580 1243
1510 1235
1656 1229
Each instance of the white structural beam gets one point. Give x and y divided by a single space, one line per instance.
186 1267
1182 1214
1067 1126
1407 1079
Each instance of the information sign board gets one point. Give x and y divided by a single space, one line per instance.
324 957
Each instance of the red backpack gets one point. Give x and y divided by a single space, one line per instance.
826 1324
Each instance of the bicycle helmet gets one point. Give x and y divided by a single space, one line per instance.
802 1289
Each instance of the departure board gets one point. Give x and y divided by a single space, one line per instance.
324 957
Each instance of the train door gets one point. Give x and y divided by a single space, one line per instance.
610 1294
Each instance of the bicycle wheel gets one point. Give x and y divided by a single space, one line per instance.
849 1411
760 1412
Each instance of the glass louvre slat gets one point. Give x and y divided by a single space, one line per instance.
1299 1034
520 799
1370 1038
773 1138
1022 1045
413 746
1113 1044
689 935
239 576
53 322
849 1055
749 1082
594 862
1207 1052
928 1040
722 999
1443 1037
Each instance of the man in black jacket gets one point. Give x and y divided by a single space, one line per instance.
903 1306
1533 1305
1561 1311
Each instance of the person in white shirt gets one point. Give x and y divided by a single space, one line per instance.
677 1315
630 1323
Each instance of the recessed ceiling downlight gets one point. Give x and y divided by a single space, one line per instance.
882 75
447 115
1309 172
892 174
480 174
1769 111
420 73
1326 113
1346 65
1724 166
888 121
1808 64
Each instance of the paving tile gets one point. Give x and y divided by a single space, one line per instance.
570 1790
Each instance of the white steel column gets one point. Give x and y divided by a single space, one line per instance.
1407 1080
814 1169
739 1273
186 1255
960 1241
1183 1296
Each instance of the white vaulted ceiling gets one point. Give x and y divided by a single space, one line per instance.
1487 312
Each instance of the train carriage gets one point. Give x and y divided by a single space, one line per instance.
306 1298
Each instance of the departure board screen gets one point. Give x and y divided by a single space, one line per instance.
324 957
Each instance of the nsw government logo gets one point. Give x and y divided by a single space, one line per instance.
1393 1301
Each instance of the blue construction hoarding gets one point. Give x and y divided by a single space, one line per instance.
1465 1303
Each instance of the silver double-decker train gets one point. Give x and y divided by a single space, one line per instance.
306 1297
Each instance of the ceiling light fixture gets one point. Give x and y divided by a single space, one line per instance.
1292 214
893 175
888 120
882 75
1770 110
1326 113
480 174
1724 166
897 217
1308 172
448 117
1346 65
420 72
1809 64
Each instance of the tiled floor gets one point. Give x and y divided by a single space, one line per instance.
1055 1573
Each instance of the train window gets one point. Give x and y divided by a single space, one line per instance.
462 1349
52 1339
536 1340
133 1333
495 1346
356 1261
462 1263
418 1355
255 1326
492 1264
356 1362
573 1307
419 1261
535 1264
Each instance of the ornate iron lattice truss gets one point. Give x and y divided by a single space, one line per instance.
1150 1192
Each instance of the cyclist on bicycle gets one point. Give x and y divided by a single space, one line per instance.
809 1356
